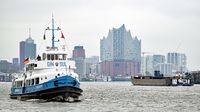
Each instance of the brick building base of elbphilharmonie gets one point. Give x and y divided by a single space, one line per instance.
120 68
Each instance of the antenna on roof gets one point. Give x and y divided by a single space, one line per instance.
29 32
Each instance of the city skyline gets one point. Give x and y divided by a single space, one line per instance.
163 26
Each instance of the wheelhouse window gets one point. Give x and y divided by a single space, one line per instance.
48 57
64 56
60 57
52 57
56 56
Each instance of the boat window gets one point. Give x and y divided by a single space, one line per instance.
52 57
44 56
48 56
60 57
16 84
26 83
36 80
56 57
32 82
20 83
35 65
64 56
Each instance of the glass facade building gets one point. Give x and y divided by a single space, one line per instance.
27 50
120 53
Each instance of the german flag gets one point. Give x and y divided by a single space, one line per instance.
26 60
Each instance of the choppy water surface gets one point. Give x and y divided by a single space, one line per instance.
112 97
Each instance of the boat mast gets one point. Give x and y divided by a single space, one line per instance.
52 31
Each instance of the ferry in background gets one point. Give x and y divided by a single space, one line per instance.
50 76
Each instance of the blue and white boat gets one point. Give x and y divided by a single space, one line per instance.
50 76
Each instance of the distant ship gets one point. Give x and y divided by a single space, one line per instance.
160 80
151 81
50 76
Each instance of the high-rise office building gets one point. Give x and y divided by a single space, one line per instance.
158 59
120 53
147 63
150 62
79 52
79 57
179 60
27 50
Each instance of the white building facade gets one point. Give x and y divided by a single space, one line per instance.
179 60
150 63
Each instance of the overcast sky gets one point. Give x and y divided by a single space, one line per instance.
162 25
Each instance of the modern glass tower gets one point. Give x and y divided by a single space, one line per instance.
120 53
27 50
79 57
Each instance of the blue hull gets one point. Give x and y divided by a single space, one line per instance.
64 86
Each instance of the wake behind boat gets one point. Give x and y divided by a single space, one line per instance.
50 76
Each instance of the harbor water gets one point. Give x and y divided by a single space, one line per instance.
112 97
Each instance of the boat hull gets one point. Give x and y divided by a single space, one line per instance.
149 81
64 87
64 92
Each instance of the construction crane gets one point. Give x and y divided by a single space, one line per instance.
143 53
